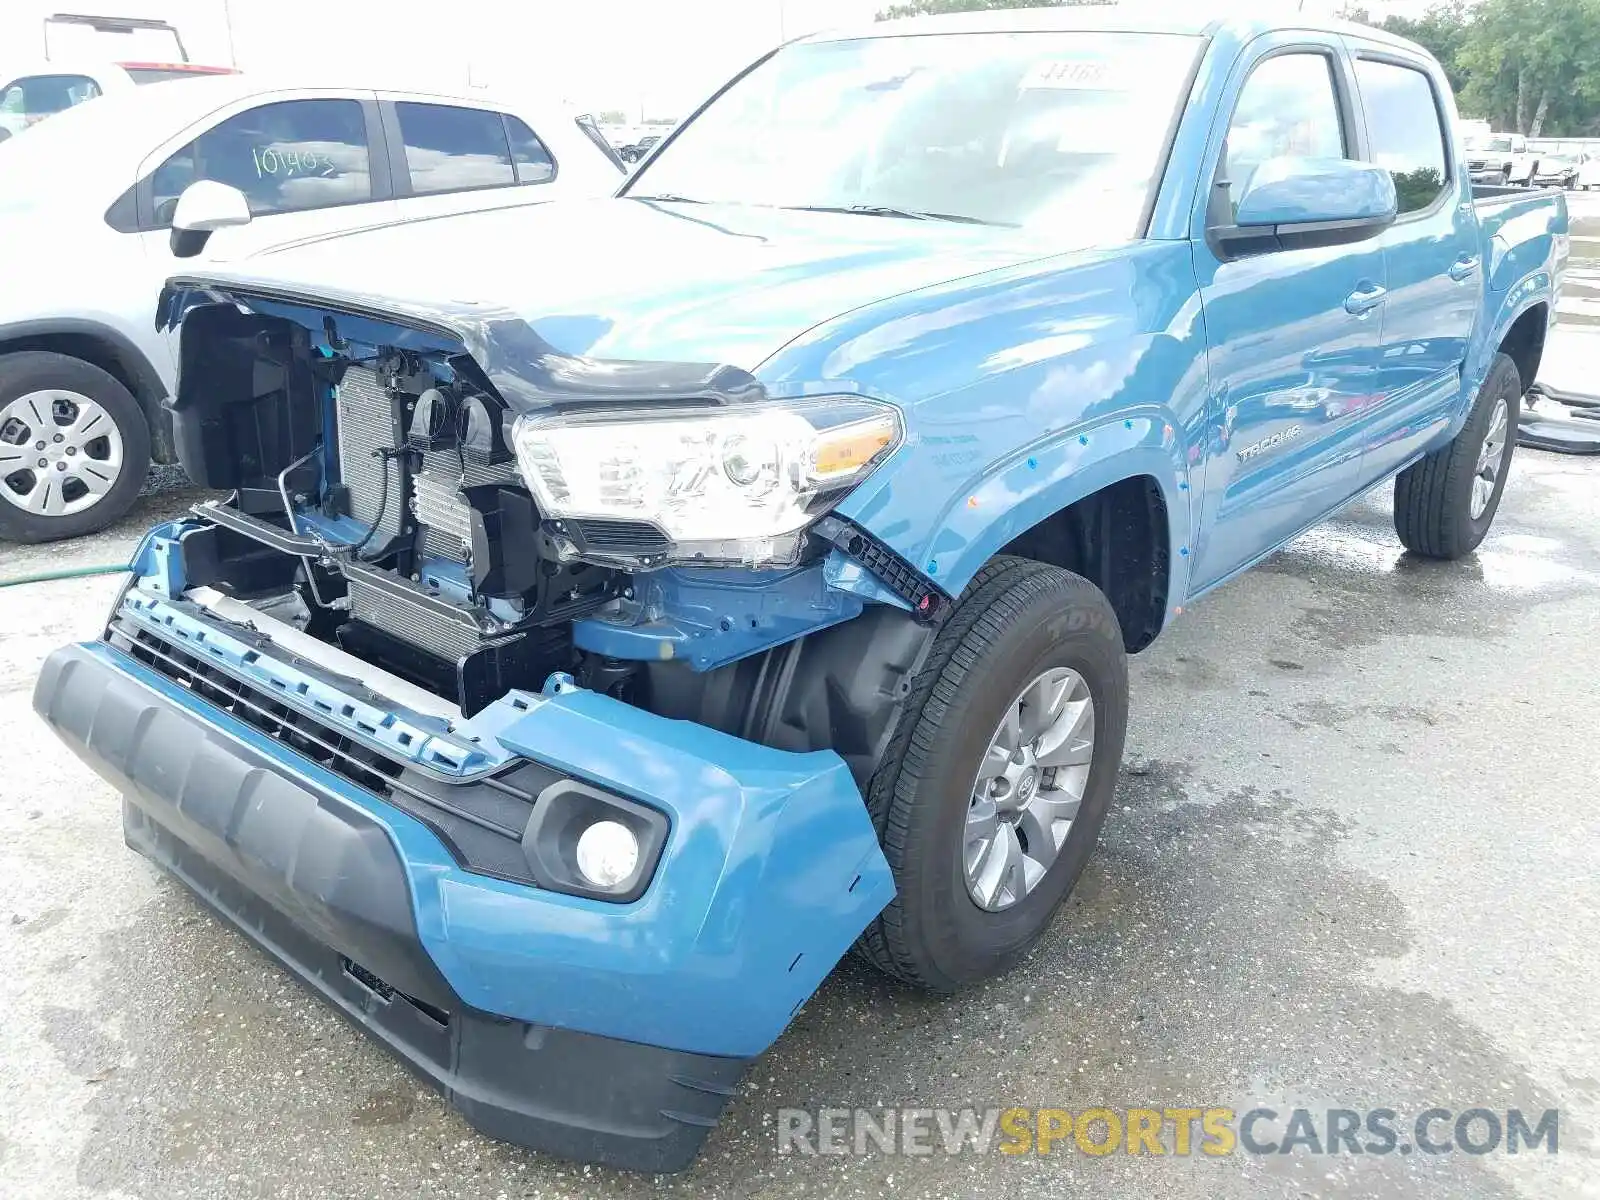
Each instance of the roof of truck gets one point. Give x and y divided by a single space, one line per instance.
1197 20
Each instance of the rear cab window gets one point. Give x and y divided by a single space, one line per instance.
454 149
35 97
1405 130
289 156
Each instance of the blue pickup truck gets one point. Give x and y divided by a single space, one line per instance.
621 609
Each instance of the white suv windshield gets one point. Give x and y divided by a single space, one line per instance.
1045 130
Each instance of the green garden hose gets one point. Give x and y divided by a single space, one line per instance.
65 573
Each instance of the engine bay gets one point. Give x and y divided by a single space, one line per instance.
376 505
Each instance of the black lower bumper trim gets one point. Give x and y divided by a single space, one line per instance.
318 885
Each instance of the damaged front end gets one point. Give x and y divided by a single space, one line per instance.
453 500
521 705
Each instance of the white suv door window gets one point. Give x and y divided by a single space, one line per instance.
290 156
454 149
534 164
451 149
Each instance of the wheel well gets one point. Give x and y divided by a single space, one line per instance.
122 363
1117 539
1524 342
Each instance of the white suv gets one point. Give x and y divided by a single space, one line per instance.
86 204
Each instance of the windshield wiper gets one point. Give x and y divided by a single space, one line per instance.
884 210
665 198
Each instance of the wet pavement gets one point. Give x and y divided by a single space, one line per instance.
1352 863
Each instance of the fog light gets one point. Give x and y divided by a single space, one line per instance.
607 853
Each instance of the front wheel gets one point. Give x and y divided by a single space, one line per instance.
1445 503
991 797
74 447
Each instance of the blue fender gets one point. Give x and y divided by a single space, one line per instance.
1018 492
1526 247
1031 389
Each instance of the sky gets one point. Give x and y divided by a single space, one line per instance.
649 58
658 56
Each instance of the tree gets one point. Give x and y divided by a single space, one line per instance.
1441 31
1534 65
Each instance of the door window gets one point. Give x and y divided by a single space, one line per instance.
452 149
285 157
1405 131
1288 107
534 164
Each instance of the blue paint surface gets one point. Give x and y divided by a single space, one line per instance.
711 618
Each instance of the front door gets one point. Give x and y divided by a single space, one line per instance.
1293 333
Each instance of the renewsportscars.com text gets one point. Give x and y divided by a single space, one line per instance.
1216 1132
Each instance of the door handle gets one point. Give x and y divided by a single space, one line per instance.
1359 304
1463 267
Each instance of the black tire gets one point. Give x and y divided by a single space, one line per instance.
1016 619
31 371
1433 497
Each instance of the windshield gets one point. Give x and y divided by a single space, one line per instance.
1482 141
1059 130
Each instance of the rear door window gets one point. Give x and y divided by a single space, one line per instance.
289 156
534 164
454 149
451 149
1405 131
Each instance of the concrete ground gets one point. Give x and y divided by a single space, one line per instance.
1354 862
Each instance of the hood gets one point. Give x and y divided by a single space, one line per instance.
629 280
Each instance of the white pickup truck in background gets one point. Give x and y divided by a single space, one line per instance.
79 57
1501 158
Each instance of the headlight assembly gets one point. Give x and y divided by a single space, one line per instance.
734 484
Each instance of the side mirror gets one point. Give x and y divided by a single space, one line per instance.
1304 191
1294 202
205 207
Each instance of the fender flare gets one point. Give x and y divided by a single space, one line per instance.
1528 294
1015 493
148 387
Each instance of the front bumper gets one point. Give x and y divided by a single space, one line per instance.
596 1031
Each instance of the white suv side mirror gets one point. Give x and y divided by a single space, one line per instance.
205 207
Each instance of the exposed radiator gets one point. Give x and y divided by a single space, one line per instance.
412 619
444 513
369 419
